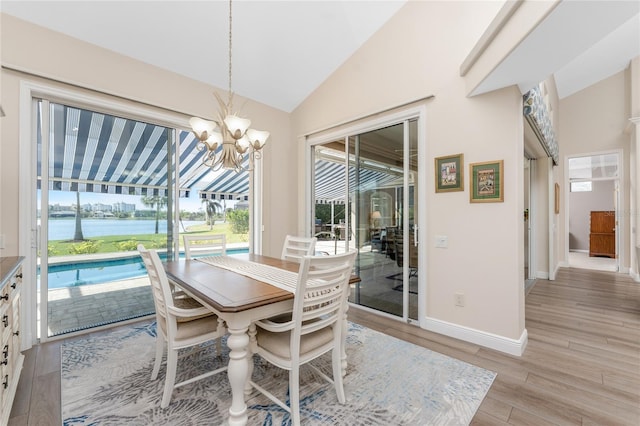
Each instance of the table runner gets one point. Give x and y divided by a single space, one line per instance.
285 280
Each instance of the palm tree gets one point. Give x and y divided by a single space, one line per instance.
78 236
156 201
212 208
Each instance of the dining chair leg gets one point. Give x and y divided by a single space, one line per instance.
336 354
219 340
159 353
294 395
248 389
343 342
170 377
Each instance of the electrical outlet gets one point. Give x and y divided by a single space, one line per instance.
459 299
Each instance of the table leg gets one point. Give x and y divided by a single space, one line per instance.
238 370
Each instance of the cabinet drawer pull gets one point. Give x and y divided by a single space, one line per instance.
5 297
5 361
5 383
5 351
19 275
5 320
14 285
17 333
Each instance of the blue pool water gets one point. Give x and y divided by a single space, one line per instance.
101 271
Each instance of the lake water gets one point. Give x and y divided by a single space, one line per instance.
63 229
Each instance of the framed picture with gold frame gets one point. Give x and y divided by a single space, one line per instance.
450 173
557 199
487 182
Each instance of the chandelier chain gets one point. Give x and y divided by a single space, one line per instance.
228 147
230 62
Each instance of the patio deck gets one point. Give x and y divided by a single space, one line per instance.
78 308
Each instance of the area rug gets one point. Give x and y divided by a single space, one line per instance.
106 381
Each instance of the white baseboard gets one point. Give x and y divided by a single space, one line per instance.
543 275
489 340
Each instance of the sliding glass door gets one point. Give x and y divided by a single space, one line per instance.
365 190
103 188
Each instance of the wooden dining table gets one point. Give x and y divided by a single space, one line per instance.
239 300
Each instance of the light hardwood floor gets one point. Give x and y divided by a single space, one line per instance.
581 365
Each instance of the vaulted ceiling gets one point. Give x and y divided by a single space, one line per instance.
579 43
283 50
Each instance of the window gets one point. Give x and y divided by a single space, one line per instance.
581 186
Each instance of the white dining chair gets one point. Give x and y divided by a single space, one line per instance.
314 327
204 245
178 327
294 248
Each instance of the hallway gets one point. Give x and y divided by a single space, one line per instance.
581 260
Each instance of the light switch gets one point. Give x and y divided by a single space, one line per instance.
442 241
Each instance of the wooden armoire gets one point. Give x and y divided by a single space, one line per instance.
602 236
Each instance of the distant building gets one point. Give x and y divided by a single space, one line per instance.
101 207
57 210
58 207
101 214
62 213
123 207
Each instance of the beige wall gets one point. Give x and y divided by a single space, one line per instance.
418 53
58 58
594 120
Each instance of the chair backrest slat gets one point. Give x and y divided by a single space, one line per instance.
294 248
204 245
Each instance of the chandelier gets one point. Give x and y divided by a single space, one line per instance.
226 140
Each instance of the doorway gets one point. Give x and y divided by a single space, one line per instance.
529 269
593 201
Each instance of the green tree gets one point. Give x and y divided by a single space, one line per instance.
323 212
239 220
77 235
156 201
211 207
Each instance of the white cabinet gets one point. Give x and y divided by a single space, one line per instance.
11 358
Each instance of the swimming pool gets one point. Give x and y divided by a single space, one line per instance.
101 271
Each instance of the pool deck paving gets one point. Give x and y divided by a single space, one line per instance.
72 309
